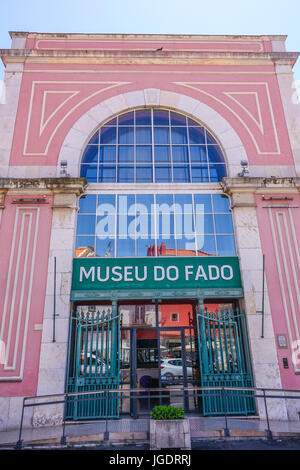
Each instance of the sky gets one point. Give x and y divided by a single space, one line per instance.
153 17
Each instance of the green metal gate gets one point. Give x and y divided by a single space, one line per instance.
94 365
224 362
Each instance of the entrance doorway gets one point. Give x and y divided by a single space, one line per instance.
168 346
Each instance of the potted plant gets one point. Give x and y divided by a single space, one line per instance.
169 429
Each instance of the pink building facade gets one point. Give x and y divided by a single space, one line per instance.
59 89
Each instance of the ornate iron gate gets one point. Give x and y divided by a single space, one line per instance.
94 364
224 362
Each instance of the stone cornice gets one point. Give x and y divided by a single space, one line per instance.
25 54
42 185
35 34
260 185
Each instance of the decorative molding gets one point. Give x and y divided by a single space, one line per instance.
286 262
18 293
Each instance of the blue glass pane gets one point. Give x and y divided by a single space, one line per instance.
106 226
221 203
217 172
106 204
161 135
162 154
166 246
125 174
95 139
89 172
165 223
86 224
186 246
108 135
163 174
210 139
90 154
105 247
160 118
146 200
181 174
179 135
196 135
126 135
206 245
145 247
177 119
126 226
200 174
143 135
107 174
85 246
107 154
125 248
125 202
126 153
223 223
126 119
204 223
113 122
143 118
198 154
202 203
185 201
143 153
226 245
144 174
87 204
214 154
164 202
141 226
180 154
193 123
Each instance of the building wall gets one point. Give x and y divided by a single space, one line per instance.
58 94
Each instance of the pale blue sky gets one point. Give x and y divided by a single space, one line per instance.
153 16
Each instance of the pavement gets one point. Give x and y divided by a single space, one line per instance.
128 433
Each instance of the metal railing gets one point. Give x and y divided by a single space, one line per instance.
158 393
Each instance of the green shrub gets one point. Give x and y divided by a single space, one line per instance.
167 412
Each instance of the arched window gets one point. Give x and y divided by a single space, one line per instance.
152 146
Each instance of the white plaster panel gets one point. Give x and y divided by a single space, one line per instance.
18 42
53 355
31 171
116 104
52 380
291 106
85 123
250 258
62 306
61 238
64 218
152 97
168 99
135 99
61 330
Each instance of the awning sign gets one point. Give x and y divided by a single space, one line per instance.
155 273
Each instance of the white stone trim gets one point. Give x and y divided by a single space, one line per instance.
8 112
83 129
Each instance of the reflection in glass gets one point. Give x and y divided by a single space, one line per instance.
90 154
105 247
108 135
158 225
86 224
